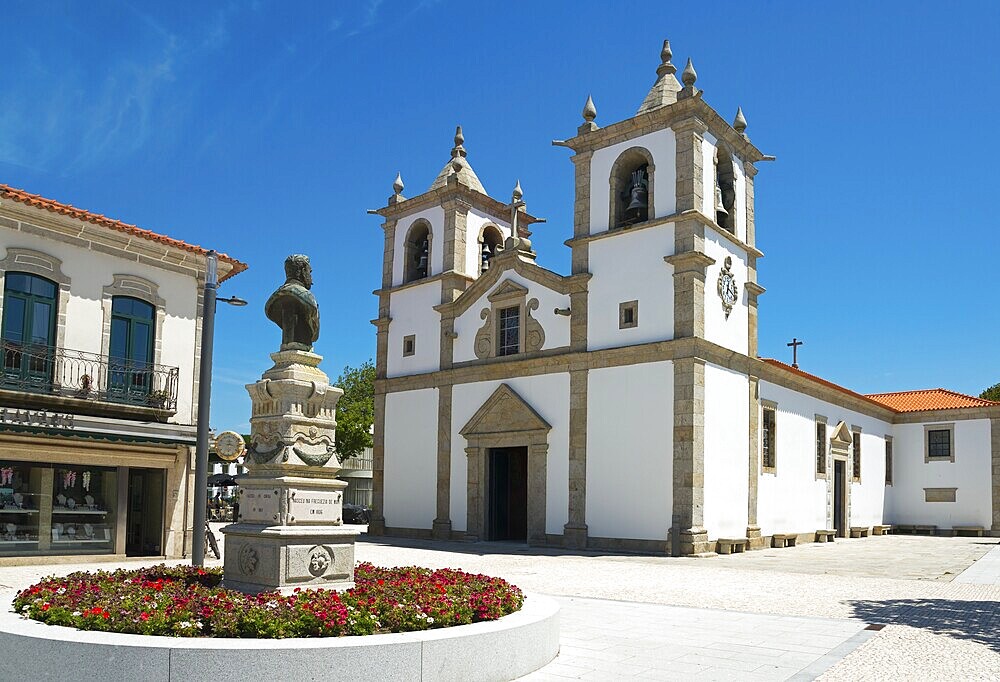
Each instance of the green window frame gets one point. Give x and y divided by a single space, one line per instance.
130 353
30 309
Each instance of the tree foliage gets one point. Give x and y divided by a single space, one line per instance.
355 409
991 393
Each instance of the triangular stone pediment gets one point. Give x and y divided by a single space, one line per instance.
842 434
504 412
508 289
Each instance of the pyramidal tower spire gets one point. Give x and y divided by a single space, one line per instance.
459 166
665 89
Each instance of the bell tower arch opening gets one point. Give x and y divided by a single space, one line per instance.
417 252
725 189
490 241
631 189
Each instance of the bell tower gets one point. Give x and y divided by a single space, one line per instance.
664 223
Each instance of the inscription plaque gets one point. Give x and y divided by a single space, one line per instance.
314 506
259 505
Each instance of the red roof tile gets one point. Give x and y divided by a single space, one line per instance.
37 201
929 399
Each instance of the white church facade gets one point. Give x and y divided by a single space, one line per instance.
623 406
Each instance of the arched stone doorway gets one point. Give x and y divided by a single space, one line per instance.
507 448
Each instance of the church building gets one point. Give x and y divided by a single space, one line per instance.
623 406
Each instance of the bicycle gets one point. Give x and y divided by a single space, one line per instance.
210 541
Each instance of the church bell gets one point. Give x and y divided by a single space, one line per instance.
422 263
720 208
486 255
638 195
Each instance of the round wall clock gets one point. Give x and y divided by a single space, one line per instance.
729 291
229 446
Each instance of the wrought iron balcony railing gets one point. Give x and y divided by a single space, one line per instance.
78 374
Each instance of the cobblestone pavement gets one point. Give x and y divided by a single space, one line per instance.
938 627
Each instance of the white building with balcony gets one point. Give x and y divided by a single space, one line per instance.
101 328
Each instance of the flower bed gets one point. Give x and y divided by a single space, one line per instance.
184 601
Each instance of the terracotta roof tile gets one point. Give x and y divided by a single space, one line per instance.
37 201
929 399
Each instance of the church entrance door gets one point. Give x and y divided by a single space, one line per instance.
507 497
839 497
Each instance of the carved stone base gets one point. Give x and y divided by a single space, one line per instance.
440 530
575 537
294 413
694 542
281 558
756 541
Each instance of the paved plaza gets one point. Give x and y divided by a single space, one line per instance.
796 613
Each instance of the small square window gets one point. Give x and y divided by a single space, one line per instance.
939 443
409 345
628 315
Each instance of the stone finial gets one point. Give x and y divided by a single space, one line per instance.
665 66
589 110
665 89
740 122
516 196
458 169
397 184
690 75
458 149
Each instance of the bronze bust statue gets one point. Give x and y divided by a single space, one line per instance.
293 307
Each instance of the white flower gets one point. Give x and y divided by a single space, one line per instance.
185 624
199 625
76 613
61 590
430 620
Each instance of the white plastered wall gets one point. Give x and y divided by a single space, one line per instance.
727 423
556 326
730 333
793 500
970 473
410 464
630 451
89 272
548 395
662 146
412 312
433 215
628 267
474 226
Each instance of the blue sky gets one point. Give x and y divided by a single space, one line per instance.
266 128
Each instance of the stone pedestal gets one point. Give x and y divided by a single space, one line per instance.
290 530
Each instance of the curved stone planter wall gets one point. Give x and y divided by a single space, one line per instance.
499 650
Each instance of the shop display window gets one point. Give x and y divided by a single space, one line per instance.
84 499
20 507
51 509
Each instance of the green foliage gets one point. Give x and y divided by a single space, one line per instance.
991 393
355 410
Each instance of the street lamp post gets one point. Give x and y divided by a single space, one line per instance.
204 405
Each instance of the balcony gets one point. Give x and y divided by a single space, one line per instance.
88 383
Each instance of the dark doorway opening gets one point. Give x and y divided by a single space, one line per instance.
144 526
507 497
839 498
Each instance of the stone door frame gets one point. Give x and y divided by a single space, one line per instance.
505 420
840 443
